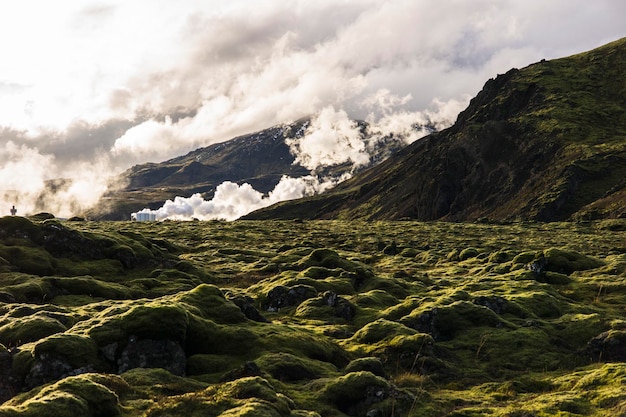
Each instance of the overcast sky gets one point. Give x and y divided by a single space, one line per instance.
92 87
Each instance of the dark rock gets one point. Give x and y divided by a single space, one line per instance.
343 308
280 296
7 385
48 368
425 323
6 297
538 266
246 305
494 303
148 353
608 346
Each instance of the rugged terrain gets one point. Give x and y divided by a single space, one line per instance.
311 318
546 142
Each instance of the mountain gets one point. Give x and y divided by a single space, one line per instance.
546 143
259 158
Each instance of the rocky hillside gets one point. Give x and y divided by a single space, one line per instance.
547 142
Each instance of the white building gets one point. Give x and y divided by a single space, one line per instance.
144 217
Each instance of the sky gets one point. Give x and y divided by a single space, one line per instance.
90 88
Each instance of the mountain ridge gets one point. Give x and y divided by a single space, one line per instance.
546 143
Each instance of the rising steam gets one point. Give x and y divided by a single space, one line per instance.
330 139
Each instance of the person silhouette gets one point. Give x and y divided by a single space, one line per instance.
13 211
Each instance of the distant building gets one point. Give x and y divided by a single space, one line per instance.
144 217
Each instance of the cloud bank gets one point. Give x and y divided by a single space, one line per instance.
89 89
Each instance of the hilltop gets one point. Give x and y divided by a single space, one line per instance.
546 142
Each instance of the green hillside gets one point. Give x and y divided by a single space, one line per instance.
547 142
319 318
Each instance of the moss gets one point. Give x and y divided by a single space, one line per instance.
376 299
524 257
445 321
355 392
158 319
468 253
568 261
77 350
204 336
84 395
31 289
369 364
537 303
200 364
159 382
20 228
29 329
30 260
211 303
88 285
379 330
289 368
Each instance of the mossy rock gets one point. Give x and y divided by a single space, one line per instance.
211 303
250 396
445 321
204 336
84 395
20 228
380 330
525 257
147 320
31 289
200 364
78 351
376 299
301 343
468 253
369 364
330 259
90 286
159 382
568 261
513 350
290 368
500 256
328 307
356 392
29 329
537 303
30 260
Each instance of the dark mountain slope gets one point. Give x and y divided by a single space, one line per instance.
259 158
547 142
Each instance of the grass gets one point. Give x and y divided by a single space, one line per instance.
445 319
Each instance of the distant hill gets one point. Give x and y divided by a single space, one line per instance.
546 143
259 158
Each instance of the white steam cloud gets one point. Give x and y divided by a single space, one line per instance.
33 182
330 139
231 201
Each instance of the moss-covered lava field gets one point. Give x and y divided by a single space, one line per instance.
313 318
